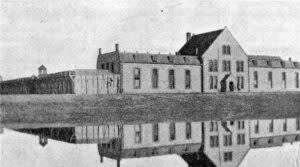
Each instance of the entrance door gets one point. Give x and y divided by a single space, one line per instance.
223 86
231 86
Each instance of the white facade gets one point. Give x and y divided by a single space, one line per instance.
264 85
127 70
215 52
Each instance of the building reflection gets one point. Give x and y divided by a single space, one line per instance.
207 143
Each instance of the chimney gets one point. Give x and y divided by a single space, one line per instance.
290 59
117 47
188 36
100 53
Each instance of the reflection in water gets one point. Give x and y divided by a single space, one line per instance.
210 143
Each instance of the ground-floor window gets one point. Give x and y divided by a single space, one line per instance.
227 156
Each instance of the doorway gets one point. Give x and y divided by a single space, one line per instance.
231 86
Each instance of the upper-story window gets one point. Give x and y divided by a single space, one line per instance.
226 65
213 126
213 66
138 133
241 125
103 66
297 80
227 140
241 139
239 66
188 130
137 78
226 50
171 79
155 78
284 79
214 141
270 79
172 129
155 132
187 79
255 76
227 156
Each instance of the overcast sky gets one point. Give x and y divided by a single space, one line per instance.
66 34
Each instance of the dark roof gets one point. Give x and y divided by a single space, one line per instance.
62 110
42 67
158 58
270 62
200 41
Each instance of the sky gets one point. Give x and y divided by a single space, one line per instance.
19 149
66 34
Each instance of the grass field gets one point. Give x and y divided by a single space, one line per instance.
71 110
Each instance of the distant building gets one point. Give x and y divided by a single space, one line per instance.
42 70
1 79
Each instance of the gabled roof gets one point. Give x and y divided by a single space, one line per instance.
200 41
270 62
42 67
158 59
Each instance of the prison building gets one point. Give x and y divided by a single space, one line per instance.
271 73
224 62
79 81
153 73
274 132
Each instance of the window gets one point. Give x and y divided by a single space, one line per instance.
213 126
103 66
227 156
154 58
107 66
240 82
285 125
171 59
270 79
171 79
172 131
138 133
154 78
210 66
226 50
226 65
297 80
241 125
284 79
227 140
213 65
255 76
298 124
155 132
213 82
188 130
241 139
271 126
257 127
137 78
239 66
214 141
187 79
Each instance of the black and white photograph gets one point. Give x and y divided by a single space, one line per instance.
149 83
